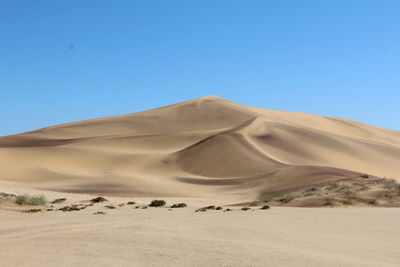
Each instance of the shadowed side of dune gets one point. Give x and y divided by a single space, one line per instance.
26 141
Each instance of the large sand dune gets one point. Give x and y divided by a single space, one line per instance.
207 147
204 152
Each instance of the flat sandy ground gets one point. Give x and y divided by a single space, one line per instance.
181 237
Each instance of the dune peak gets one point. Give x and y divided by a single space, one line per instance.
207 98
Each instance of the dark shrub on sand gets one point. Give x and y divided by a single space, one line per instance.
179 205
157 203
98 199
58 200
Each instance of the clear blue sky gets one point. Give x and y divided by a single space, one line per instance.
64 61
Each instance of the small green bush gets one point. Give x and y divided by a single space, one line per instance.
266 207
157 203
31 200
245 208
131 203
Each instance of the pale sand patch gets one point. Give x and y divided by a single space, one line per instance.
159 237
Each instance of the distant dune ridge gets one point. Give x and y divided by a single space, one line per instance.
206 147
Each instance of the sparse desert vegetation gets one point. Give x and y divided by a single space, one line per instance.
357 191
98 200
32 211
58 200
179 205
99 212
33 200
286 198
157 203
201 209
211 207
6 197
72 208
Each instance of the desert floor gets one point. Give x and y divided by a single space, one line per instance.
126 236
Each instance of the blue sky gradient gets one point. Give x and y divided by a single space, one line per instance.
63 61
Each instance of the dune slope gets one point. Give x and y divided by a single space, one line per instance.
207 147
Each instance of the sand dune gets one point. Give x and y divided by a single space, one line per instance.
207 147
203 152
